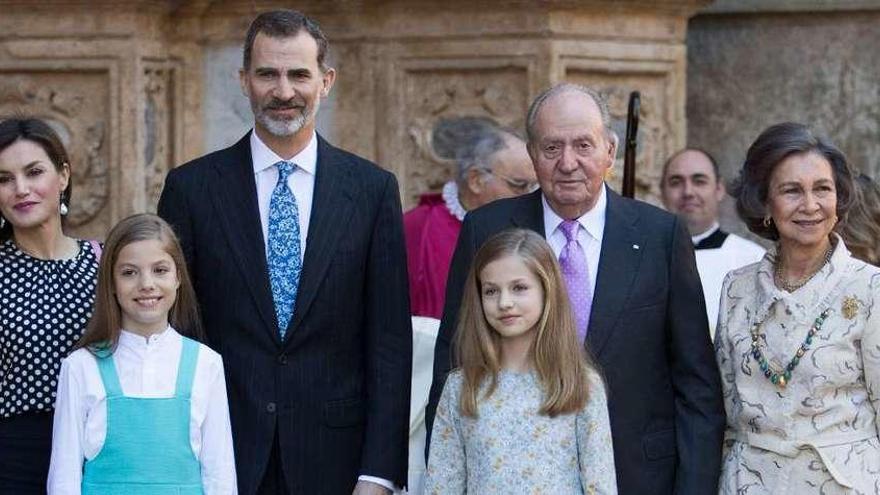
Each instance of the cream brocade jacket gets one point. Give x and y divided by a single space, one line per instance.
818 435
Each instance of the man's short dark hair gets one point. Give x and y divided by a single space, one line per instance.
677 154
285 24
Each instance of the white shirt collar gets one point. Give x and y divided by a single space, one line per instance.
592 221
132 340
263 157
699 237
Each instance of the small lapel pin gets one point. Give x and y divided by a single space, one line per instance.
635 246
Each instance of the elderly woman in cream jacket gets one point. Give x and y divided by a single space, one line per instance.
798 340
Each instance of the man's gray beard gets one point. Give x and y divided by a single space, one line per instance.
282 128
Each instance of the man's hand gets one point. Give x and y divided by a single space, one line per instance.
369 488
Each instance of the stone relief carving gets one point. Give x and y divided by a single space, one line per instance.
158 145
432 95
69 103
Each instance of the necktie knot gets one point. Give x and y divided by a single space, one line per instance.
569 229
284 170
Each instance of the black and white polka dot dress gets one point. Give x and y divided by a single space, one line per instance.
44 308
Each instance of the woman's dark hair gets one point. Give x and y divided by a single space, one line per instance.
774 145
39 133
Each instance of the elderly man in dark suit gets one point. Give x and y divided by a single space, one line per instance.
630 273
297 254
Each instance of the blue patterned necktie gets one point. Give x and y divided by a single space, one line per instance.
284 259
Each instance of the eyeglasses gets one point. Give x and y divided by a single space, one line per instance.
519 186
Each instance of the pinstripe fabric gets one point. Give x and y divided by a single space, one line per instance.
336 390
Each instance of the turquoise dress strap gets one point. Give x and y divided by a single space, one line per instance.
186 372
108 376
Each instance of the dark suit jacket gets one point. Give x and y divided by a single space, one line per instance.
337 388
648 333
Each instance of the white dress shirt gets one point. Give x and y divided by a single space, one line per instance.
302 183
147 368
590 233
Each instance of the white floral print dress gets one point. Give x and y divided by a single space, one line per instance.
510 448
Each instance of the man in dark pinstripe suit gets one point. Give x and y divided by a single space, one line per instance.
321 404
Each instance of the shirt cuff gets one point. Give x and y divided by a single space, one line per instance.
379 481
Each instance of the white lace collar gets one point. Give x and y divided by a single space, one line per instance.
450 197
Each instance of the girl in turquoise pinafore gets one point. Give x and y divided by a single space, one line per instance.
142 409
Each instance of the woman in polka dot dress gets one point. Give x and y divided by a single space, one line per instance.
47 287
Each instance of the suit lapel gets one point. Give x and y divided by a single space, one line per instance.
529 213
332 205
618 266
235 202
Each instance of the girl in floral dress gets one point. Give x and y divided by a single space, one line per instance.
526 412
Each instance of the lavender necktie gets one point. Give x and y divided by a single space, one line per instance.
576 272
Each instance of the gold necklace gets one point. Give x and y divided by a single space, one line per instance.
793 286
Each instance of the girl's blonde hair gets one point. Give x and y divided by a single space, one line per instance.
560 361
102 333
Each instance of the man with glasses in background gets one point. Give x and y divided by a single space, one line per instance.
492 164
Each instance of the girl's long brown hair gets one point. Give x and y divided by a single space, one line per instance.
560 361
102 333
861 234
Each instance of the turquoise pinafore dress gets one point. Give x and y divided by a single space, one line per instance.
147 449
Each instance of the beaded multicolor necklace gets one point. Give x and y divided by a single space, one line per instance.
782 376
777 376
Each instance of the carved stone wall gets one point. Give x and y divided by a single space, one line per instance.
474 58
107 77
140 86
433 89
805 61
158 145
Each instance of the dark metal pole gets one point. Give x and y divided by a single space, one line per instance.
629 154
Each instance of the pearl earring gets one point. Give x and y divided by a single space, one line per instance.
62 208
